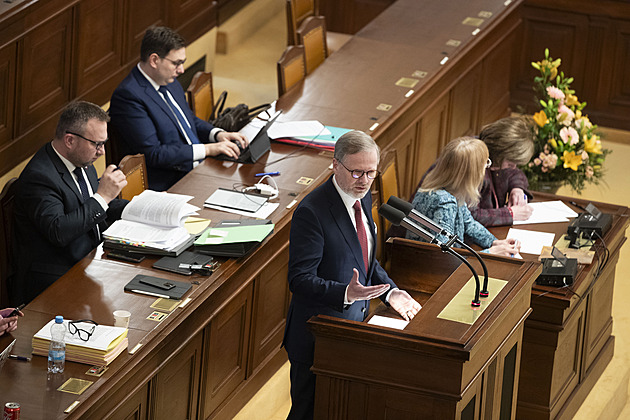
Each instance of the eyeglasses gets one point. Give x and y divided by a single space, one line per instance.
356 174
488 163
175 63
84 333
97 144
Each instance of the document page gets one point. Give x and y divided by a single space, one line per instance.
548 212
531 241
159 209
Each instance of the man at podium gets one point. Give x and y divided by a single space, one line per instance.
332 268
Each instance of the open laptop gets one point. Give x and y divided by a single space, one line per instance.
257 147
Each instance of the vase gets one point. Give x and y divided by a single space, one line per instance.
550 187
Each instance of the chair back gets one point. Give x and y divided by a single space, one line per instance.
135 169
387 181
291 68
6 237
312 34
200 95
297 11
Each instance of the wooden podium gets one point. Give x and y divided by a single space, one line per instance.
436 368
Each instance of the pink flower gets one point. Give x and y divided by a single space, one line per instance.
565 115
584 155
537 161
569 135
555 93
589 171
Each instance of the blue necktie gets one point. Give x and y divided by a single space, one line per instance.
78 172
180 117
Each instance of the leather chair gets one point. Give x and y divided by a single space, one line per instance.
297 11
135 169
6 244
200 95
312 34
291 68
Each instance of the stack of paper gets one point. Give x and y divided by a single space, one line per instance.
153 223
232 241
307 133
103 346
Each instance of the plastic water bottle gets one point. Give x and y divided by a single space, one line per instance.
57 349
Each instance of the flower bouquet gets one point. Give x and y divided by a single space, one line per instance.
568 151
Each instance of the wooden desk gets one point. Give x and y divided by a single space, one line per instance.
568 337
205 360
435 368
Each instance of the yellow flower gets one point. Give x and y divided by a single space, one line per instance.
553 143
571 160
541 118
592 145
554 73
572 100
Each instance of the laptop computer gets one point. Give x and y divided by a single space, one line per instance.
257 147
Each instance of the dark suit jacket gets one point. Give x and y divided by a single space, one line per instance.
53 229
143 123
323 250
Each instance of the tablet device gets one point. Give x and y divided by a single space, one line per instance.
257 147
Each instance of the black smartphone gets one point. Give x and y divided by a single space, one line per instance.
17 310
125 256
157 282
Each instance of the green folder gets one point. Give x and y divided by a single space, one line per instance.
234 241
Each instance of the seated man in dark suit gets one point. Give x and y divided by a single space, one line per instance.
61 207
332 269
150 114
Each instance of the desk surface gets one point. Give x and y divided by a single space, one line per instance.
93 288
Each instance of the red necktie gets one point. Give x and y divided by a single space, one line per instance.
361 232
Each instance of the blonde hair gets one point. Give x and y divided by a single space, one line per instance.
510 138
459 170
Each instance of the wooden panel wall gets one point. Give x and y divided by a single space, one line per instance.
593 41
52 52
349 16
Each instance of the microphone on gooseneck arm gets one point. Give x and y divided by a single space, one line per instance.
398 218
408 210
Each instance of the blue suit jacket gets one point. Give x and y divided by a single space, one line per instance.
53 227
143 123
323 250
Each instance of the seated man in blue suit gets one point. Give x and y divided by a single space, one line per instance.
61 208
332 269
150 115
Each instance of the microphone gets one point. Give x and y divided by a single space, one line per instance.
408 210
398 218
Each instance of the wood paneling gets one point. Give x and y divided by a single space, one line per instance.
226 341
45 71
135 408
99 39
7 87
593 41
139 15
175 388
271 291
349 16
191 18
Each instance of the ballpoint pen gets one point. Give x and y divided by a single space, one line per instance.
22 358
268 173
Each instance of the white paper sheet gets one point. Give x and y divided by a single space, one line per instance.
384 321
531 241
291 129
263 213
548 212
